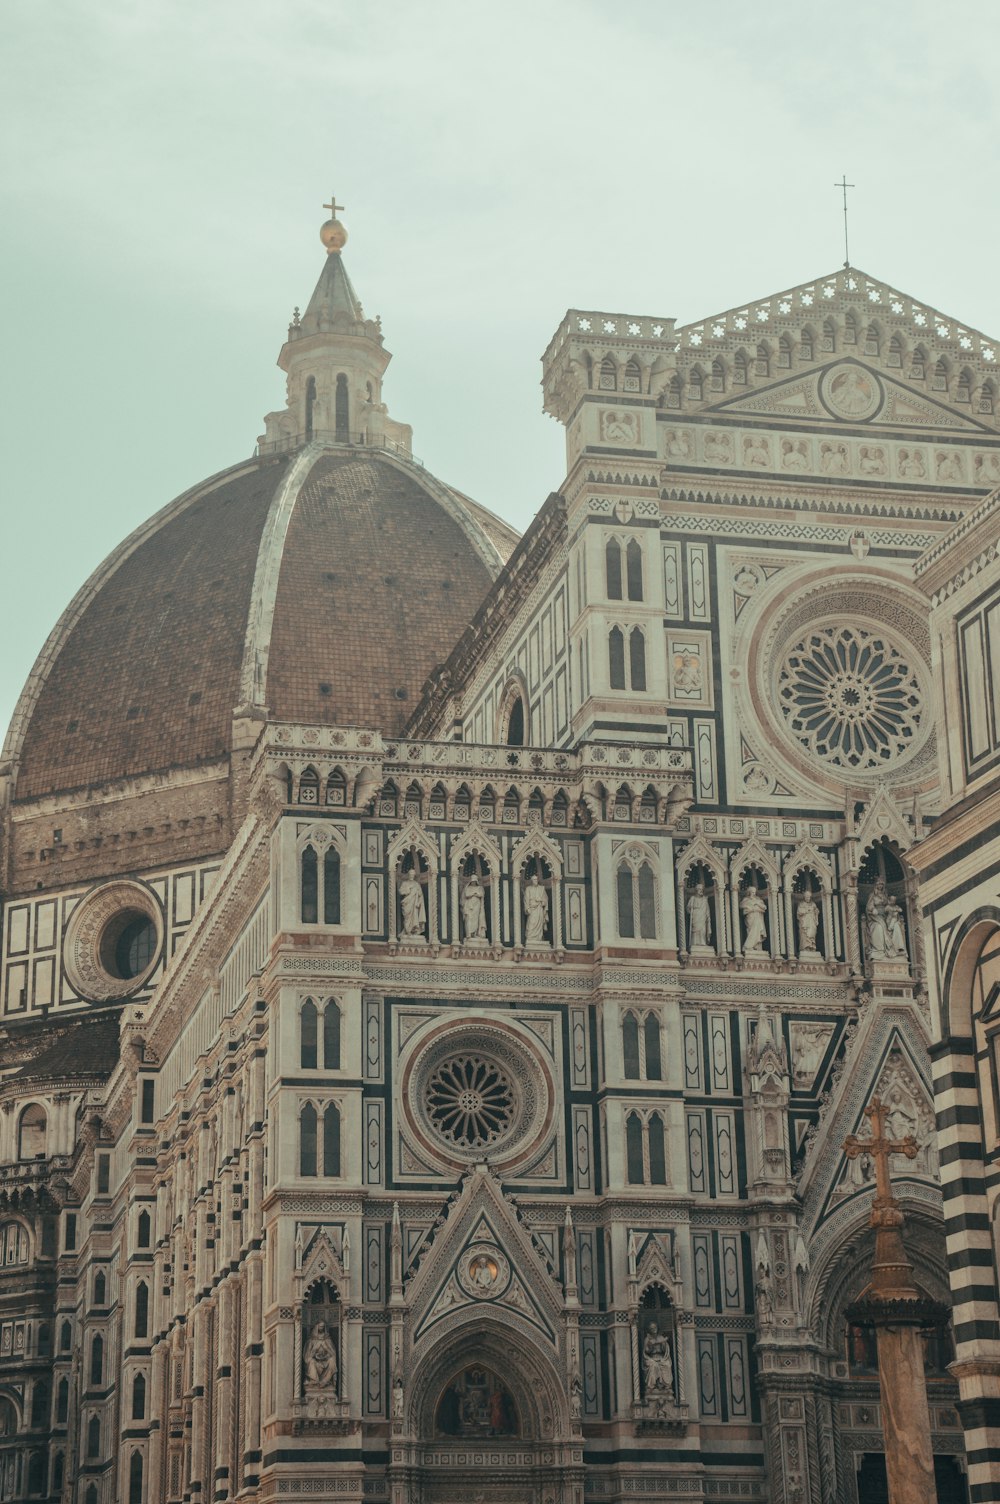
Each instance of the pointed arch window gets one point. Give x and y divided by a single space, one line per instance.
675 392
309 878
807 345
740 368
62 1402
613 568
331 1036
963 392
608 379
828 340
635 886
718 376
331 1139
139 1397
309 786
145 1230
633 377
987 396
637 658
308 1055
894 356
342 416
918 365
850 329
784 352
40 1401
762 365
336 787
96 1361
630 1047
141 1324
135 1479
94 1438
100 1288
307 1140
633 565
872 340
331 886
616 658
645 1148
65 1337
515 724
939 381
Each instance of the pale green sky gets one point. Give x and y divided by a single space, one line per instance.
164 163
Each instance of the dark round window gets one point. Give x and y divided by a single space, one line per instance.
128 945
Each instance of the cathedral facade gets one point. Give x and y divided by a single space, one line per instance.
440 968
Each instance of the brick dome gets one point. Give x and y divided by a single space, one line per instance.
320 586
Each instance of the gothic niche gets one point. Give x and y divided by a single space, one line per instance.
808 911
411 891
536 903
656 1349
753 900
474 884
882 906
476 1404
698 904
321 1344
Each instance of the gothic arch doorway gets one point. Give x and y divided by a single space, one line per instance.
488 1420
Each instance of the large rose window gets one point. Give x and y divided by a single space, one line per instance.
850 696
476 1090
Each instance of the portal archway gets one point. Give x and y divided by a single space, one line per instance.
488 1417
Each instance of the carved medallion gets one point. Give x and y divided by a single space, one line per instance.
851 392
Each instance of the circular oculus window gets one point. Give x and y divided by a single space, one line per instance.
477 1091
113 941
852 697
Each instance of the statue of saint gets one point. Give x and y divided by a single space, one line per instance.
320 1358
754 910
536 911
411 899
699 918
807 915
657 1366
473 910
884 923
894 928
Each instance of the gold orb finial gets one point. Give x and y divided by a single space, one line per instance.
332 233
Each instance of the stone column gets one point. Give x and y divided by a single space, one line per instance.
895 1307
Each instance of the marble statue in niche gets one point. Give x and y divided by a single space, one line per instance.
809 1042
411 903
884 925
699 912
754 911
536 911
319 1358
807 919
657 1364
474 908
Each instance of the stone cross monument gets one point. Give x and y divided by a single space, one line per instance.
894 1306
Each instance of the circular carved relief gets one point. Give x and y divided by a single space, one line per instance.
851 392
483 1272
477 1091
850 696
113 941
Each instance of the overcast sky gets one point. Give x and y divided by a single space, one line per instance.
165 163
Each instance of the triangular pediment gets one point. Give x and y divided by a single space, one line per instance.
483 1263
881 401
773 357
885 1057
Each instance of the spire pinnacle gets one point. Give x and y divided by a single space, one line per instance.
332 232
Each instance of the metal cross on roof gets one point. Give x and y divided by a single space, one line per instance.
335 208
844 185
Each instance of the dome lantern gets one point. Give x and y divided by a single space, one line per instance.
335 359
